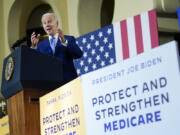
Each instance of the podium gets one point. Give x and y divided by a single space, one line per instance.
27 75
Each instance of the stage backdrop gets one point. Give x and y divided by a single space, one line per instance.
137 96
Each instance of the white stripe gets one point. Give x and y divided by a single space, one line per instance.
118 42
131 37
145 31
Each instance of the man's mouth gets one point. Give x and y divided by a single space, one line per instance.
49 29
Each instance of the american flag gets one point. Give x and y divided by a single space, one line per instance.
117 42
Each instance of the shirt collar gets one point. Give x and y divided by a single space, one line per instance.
55 36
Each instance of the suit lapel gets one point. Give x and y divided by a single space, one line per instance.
47 43
60 49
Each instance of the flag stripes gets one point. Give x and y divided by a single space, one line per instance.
138 34
153 28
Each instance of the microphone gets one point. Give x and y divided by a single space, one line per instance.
19 42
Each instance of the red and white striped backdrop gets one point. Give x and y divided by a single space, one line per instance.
136 35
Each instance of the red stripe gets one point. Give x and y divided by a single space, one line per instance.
138 34
124 37
153 28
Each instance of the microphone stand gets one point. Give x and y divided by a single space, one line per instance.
19 42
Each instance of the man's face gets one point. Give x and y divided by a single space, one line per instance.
50 24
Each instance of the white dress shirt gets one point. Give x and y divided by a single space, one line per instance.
56 36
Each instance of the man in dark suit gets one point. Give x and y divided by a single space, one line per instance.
57 44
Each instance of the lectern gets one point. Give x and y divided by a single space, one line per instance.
27 75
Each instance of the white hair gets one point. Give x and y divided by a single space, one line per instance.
48 14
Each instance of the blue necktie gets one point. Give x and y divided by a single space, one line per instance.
52 43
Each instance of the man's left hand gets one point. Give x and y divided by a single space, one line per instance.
61 35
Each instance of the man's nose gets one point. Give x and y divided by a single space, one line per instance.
48 24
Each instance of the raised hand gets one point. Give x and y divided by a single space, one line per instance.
61 35
34 40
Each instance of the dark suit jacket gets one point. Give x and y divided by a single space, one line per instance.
65 54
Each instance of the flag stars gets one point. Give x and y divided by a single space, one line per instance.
77 42
98 57
109 31
101 49
100 34
96 43
89 60
106 55
93 51
84 40
81 48
82 63
105 40
85 54
102 63
97 49
94 66
78 71
111 61
92 37
88 46
110 46
86 68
